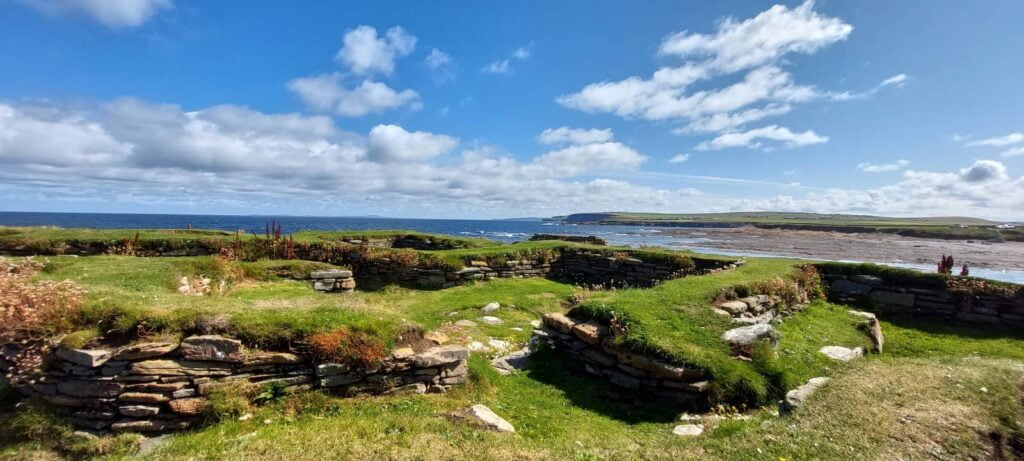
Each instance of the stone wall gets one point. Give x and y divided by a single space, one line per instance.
333 280
933 303
590 343
160 386
597 268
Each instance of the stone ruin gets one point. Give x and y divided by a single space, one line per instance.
333 280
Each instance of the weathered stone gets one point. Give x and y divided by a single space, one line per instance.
747 336
143 397
892 298
144 350
559 322
436 337
465 323
734 307
402 353
721 313
688 430
517 360
330 274
491 320
489 419
796 397
490 307
212 348
90 388
590 332
261 358
846 287
182 393
331 369
156 387
842 354
188 406
139 411
90 358
867 279
440 355
340 380
162 367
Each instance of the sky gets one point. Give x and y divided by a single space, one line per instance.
463 109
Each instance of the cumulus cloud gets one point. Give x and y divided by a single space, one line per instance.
755 48
883 167
504 66
392 143
983 171
574 135
442 65
783 136
326 93
999 141
366 53
680 158
110 13
574 160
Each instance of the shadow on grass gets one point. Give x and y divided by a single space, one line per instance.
600 396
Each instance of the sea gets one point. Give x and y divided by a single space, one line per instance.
501 230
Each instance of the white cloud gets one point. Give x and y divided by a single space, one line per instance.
504 66
725 121
999 141
391 143
574 135
574 160
47 137
897 80
883 167
760 40
326 93
750 138
983 171
680 158
111 13
1013 152
442 65
366 53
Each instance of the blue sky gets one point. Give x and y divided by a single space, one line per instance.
472 109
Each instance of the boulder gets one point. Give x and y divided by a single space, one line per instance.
796 397
849 288
490 307
145 350
489 419
734 307
211 348
842 354
747 336
688 430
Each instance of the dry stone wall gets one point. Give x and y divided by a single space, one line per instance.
933 303
590 342
164 386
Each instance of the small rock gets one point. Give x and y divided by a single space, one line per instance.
721 313
517 360
734 307
489 419
476 346
491 320
842 354
535 323
245 417
688 430
747 336
491 307
403 352
465 323
499 345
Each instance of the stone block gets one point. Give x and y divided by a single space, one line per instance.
559 322
440 355
143 397
262 358
139 411
144 350
211 348
90 388
162 367
590 332
90 358
188 406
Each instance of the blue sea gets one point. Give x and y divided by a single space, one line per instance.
501 230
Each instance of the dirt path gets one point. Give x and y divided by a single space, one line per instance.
860 247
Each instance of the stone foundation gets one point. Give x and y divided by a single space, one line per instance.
590 343
157 387
931 303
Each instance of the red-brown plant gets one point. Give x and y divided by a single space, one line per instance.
35 309
351 347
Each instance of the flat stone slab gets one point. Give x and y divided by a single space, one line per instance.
842 354
490 307
91 358
145 350
796 397
331 274
747 336
489 419
517 360
688 430
491 320
211 348
734 307
441 355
